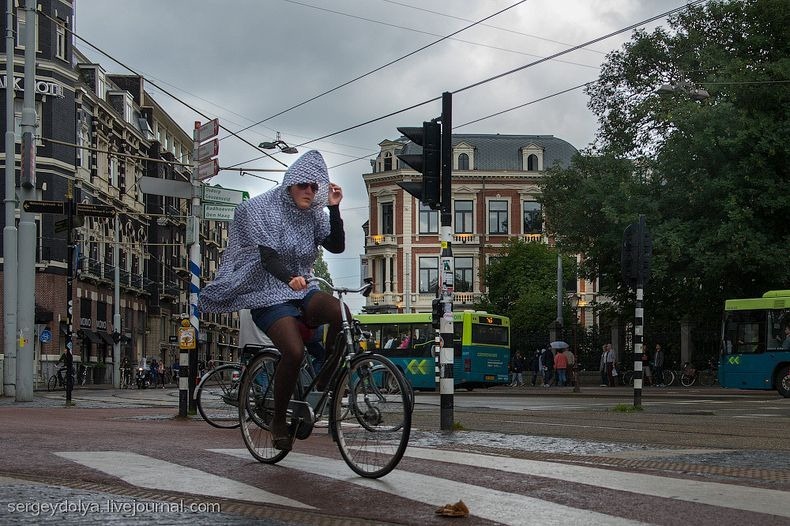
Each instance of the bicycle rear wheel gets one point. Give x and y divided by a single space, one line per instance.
52 383
707 378
668 378
256 407
217 396
371 415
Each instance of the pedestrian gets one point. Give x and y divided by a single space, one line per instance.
154 371
610 364
547 366
658 366
571 370
160 372
274 241
518 370
646 376
602 368
560 365
534 364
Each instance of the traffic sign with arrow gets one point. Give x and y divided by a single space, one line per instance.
95 210
44 207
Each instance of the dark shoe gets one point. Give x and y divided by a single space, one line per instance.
281 437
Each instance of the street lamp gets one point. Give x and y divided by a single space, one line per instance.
278 144
683 88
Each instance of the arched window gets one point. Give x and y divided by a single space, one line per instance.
532 163
463 162
387 161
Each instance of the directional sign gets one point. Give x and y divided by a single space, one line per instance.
207 131
207 169
218 212
207 150
216 194
156 186
44 207
95 210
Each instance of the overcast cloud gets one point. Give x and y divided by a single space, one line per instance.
245 60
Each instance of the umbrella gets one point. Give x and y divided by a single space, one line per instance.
559 345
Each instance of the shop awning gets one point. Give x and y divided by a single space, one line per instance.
107 338
92 336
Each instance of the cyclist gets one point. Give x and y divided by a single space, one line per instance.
273 243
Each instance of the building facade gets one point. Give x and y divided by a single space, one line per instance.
494 198
98 134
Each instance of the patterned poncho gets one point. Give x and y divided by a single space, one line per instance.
271 219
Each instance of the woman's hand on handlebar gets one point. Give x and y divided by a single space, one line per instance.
298 283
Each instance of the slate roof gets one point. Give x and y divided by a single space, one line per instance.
503 152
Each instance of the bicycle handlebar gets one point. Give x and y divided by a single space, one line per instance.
365 290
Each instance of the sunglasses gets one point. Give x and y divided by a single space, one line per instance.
305 186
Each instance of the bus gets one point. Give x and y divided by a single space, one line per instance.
755 349
481 346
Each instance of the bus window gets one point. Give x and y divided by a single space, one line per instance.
777 321
422 336
490 334
744 332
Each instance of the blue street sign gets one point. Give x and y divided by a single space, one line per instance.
45 336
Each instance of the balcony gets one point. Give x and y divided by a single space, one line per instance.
534 238
382 240
466 239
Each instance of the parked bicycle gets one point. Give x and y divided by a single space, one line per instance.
705 377
368 402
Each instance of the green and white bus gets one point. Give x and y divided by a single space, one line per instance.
481 346
755 350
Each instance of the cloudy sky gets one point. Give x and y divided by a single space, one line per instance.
245 61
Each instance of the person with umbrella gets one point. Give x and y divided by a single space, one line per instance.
560 361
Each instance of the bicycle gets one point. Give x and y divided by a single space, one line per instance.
217 395
57 380
709 376
688 375
368 401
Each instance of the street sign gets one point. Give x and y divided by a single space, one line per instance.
45 336
156 186
95 210
207 150
207 169
207 131
216 194
44 207
218 212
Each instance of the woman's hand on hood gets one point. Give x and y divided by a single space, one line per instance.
335 194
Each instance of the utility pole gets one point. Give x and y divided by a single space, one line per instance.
69 293
9 230
26 271
116 317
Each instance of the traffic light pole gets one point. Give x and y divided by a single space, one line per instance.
447 273
639 313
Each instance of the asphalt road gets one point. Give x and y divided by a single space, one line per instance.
517 457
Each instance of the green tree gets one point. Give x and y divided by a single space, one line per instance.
711 176
521 283
321 269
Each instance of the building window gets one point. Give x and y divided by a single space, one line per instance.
532 163
463 274
497 217
429 220
387 219
60 42
388 161
429 274
113 171
463 162
463 217
533 218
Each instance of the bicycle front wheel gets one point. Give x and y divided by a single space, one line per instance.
668 378
256 408
217 396
371 415
52 383
706 378
688 379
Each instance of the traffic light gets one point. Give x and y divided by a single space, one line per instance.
429 162
437 311
636 253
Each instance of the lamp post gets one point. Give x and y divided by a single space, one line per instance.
278 143
683 88
574 300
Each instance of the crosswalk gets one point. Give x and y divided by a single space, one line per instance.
443 476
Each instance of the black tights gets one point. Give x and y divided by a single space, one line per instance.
286 336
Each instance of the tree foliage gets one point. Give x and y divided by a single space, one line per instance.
711 176
321 269
522 284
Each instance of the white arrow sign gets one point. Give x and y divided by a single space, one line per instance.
207 131
207 150
207 169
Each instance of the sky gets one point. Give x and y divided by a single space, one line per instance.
245 61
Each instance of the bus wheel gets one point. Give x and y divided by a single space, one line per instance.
783 381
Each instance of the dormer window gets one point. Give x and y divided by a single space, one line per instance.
463 162
532 158
387 161
463 156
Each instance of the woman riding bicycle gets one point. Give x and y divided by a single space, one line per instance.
273 244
